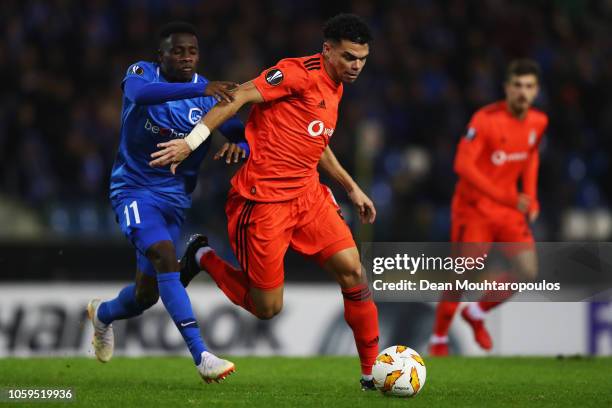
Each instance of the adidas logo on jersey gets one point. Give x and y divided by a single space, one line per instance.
321 104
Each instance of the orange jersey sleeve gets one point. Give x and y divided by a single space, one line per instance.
287 78
470 147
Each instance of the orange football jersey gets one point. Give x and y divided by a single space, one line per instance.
496 150
288 132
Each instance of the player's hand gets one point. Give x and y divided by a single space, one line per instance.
533 215
367 211
221 90
231 152
523 203
172 152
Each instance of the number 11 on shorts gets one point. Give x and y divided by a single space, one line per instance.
126 211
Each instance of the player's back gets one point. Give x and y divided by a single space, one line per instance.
143 127
499 145
288 132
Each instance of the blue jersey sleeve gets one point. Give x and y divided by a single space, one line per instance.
140 88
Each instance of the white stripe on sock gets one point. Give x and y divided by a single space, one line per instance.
435 339
201 252
476 312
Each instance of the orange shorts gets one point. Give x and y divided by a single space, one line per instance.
260 233
513 231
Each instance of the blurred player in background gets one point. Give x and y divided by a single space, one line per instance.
276 200
161 101
499 148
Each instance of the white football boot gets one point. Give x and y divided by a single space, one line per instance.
103 338
213 368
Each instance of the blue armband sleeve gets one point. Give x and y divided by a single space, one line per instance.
142 92
245 146
233 130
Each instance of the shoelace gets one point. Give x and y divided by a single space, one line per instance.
104 334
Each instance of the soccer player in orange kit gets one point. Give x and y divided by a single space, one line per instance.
500 146
276 200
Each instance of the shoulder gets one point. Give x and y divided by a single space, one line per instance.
538 117
489 112
485 113
142 68
301 63
300 68
200 79
310 62
492 109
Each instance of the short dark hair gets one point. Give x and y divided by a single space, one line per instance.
176 27
347 27
523 66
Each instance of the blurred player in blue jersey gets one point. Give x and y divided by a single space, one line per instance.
162 101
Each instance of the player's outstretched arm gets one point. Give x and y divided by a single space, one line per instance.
330 164
143 92
177 150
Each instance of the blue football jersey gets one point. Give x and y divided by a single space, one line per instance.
143 127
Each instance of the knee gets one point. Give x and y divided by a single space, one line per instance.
527 270
350 276
146 297
268 312
163 257
530 272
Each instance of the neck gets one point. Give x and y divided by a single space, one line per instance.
330 71
517 113
171 78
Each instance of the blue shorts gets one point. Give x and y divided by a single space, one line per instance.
145 221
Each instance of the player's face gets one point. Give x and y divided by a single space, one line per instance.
178 57
521 91
346 59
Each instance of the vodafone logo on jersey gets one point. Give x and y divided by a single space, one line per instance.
317 128
499 157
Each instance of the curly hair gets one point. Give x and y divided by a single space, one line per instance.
347 27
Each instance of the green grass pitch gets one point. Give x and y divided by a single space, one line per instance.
312 382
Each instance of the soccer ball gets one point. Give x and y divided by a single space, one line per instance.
399 371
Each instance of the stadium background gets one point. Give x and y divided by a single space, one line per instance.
432 64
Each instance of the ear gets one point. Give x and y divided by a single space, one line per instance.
326 48
537 90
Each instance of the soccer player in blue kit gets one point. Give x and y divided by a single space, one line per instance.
162 101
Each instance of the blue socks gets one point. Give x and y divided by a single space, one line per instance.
123 306
175 299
